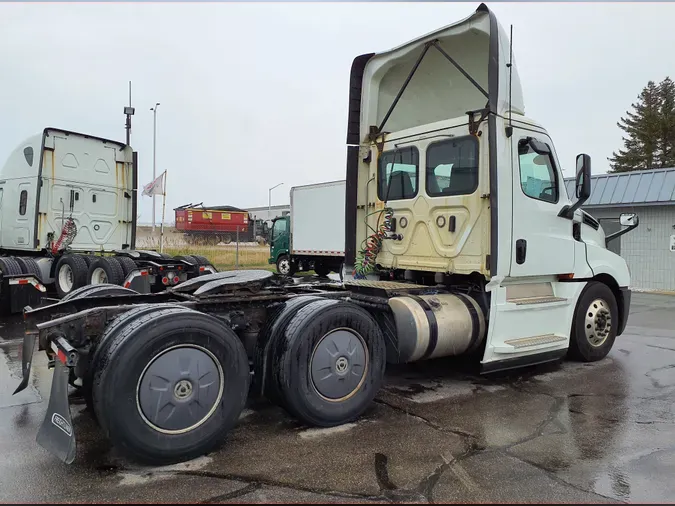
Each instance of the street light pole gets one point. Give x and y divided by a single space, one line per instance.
269 202
154 157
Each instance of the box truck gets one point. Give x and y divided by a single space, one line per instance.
312 236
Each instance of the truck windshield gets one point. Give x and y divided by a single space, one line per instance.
279 228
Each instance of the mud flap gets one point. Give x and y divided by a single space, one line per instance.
26 361
56 433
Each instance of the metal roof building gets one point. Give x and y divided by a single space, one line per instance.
650 248
637 188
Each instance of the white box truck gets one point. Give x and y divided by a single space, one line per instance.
313 236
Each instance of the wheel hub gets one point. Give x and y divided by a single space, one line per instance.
338 364
598 322
180 389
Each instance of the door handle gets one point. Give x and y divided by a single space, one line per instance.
521 251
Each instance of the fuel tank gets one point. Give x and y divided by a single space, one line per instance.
432 326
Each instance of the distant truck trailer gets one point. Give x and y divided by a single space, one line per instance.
312 236
216 224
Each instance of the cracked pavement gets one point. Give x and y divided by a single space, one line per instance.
438 432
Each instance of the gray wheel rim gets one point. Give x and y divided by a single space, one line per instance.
284 266
598 322
339 364
180 389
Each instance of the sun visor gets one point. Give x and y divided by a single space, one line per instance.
442 75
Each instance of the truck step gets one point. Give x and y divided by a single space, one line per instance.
526 301
526 342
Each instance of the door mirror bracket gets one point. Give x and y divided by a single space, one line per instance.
582 186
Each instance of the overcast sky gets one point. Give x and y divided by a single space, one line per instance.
254 94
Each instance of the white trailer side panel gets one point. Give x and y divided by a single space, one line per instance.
318 219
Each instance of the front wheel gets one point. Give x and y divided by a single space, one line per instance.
596 321
284 266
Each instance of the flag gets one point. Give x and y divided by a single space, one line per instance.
156 187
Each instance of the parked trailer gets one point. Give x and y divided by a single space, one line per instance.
456 258
311 237
68 206
213 225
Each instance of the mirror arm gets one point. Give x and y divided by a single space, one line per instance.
613 236
568 211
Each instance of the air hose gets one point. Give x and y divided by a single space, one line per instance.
365 260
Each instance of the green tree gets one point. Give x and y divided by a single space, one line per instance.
643 128
667 94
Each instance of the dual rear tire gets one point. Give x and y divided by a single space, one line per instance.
324 361
181 389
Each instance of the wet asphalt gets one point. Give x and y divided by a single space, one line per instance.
438 432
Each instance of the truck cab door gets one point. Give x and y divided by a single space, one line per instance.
542 241
530 309
279 240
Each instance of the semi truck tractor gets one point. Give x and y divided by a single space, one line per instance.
68 208
311 237
460 239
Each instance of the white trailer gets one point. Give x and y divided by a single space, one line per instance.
68 219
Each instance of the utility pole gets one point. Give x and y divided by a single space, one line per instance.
129 111
269 202
154 157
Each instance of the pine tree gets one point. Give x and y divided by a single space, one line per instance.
643 130
667 113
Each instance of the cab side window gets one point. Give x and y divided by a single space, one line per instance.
538 175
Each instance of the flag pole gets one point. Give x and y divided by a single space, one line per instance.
161 227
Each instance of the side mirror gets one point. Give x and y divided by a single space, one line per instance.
583 180
629 220
582 186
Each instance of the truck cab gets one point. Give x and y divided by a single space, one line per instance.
280 244
451 184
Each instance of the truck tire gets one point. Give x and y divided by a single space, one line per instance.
127 265
267 348
226 238
188 258
89 259
321 387
284 266
70 274
322 270
111 330
10 267
29 266
596 320
151 346
201 260
105 270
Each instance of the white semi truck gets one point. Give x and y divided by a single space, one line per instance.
312 236
460 240
68 206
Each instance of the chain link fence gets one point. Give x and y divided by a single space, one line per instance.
235 255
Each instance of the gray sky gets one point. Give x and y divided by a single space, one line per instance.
253 94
